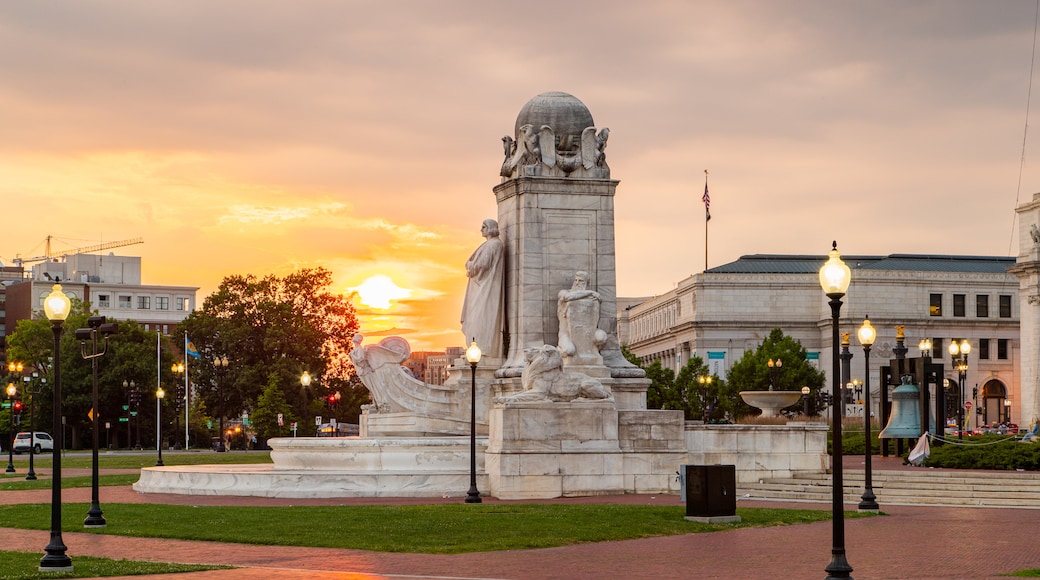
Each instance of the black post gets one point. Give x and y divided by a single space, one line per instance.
10 433
220 368
839 566
56 559
473 496
868 501
95 517
158 427
33 390
846 372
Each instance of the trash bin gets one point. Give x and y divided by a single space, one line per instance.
711 492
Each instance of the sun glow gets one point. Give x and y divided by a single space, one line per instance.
378 291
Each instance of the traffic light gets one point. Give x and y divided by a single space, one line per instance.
18 407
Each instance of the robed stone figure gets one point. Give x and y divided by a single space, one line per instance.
483 312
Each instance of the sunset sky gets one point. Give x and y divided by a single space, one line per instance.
243 137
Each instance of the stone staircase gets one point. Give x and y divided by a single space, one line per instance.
919 486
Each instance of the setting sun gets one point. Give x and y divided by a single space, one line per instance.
377 292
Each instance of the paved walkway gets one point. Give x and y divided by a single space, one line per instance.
907 542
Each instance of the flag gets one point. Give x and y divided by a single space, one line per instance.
706 199
189 348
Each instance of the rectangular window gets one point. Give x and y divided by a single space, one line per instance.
937 348
144 302
162 302
182 303
125 301
1002 348
166 329
982 305
104 301
1005 306
983 349
958 305
935 305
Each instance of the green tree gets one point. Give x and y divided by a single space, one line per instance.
751 372
273 329
269 405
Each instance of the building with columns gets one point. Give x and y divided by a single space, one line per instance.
728 310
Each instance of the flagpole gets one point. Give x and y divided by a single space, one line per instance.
187 396
707 218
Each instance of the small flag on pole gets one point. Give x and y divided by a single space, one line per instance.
706 198
189 348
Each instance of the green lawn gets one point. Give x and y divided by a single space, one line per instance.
18 483
23 566
433 529
117 460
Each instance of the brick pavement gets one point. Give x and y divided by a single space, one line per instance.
907 542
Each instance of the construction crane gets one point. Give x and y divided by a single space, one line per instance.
48 255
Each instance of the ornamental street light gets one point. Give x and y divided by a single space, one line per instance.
835 277
159 394
705 382
220 365
473 356
805 400
774 372
96 325
56 306
867 335
11 392
959 355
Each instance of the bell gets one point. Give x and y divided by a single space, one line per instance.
905 420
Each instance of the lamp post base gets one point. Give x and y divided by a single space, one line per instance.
473 496
868 502
56 559
839 567
95 517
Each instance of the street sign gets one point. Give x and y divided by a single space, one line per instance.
967 405
317 420
124 420
7 404
280 421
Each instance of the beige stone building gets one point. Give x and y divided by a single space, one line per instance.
727 310
112 285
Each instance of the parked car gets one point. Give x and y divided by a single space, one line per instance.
38 442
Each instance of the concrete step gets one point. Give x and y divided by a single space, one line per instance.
911 487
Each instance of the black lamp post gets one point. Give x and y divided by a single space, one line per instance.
774 372
705 382
56 305
805 400
959 353
867 335
11 392
220 365
95 325
33 390
159 394
834 279
473 356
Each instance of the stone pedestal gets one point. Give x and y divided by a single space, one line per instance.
548 450
552 228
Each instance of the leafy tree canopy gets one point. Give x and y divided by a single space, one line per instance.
272 329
